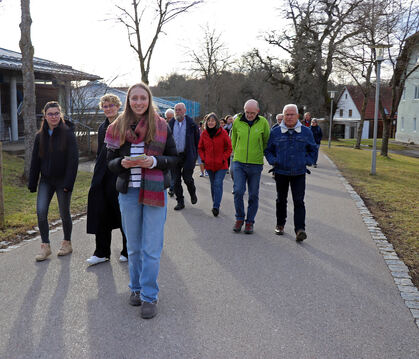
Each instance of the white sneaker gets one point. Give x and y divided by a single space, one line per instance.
96 260
123 258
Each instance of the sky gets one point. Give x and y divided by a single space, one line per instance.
80 33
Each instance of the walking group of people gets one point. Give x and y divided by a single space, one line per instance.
140 155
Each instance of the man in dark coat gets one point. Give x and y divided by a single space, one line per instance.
186 135
103 213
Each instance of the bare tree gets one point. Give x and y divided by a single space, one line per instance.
210 60
358 57
29 100
314 30
165 11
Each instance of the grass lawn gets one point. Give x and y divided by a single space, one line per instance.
20 204
391 196
367 143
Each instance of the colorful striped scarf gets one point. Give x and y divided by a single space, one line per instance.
152 180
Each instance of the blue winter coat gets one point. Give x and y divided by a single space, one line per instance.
290 152
191 142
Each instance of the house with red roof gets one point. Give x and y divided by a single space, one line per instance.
347 115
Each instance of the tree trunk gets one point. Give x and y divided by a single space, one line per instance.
361 122
1 189
386 136
29 101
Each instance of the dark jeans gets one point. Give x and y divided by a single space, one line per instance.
298 188
246 174
216 181
180 172
45 193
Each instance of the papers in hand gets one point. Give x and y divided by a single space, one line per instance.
134 158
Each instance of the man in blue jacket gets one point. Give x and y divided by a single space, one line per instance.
186 135
290 149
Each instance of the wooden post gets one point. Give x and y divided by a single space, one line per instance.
1 188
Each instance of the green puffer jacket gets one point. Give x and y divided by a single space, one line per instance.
249 142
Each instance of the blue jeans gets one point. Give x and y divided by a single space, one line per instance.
316 156
144 228
45 193
250 174
216 181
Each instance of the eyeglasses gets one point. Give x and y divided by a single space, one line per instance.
105 107
52 114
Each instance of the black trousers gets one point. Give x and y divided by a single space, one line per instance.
107 221
298 188
179 173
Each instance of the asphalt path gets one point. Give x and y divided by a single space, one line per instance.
222 294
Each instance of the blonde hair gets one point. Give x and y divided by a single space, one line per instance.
111 98
127 117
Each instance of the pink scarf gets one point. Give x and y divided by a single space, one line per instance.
152 180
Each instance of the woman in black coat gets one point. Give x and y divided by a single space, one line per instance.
55 157
103 213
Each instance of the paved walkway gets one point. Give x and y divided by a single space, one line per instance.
223 295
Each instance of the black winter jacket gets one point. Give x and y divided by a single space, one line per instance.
60 160
166 162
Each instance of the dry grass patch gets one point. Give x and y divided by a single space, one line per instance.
20 204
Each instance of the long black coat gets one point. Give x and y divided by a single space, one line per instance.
102 210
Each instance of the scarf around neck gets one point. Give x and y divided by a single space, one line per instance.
152 179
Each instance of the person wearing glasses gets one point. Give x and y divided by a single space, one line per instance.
249 137
55 158
103 213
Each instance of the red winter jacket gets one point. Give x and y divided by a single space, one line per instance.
215 151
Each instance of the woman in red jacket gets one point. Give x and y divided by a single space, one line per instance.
214 149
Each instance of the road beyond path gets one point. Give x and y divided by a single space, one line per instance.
222 294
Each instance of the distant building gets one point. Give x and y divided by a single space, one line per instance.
86 100
408 111
347 116
52 82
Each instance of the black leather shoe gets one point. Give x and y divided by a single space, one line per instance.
148 310
171 193
194 198
179 206
301 235
215 212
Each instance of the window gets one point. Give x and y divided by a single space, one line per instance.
340 113
416 92
402 123
350 113
346 96
404 93
414 124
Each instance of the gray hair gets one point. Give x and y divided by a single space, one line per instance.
290 105
169 110
277 116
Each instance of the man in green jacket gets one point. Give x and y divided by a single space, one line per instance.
249 137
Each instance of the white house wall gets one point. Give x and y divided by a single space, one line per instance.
408 111
346 103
